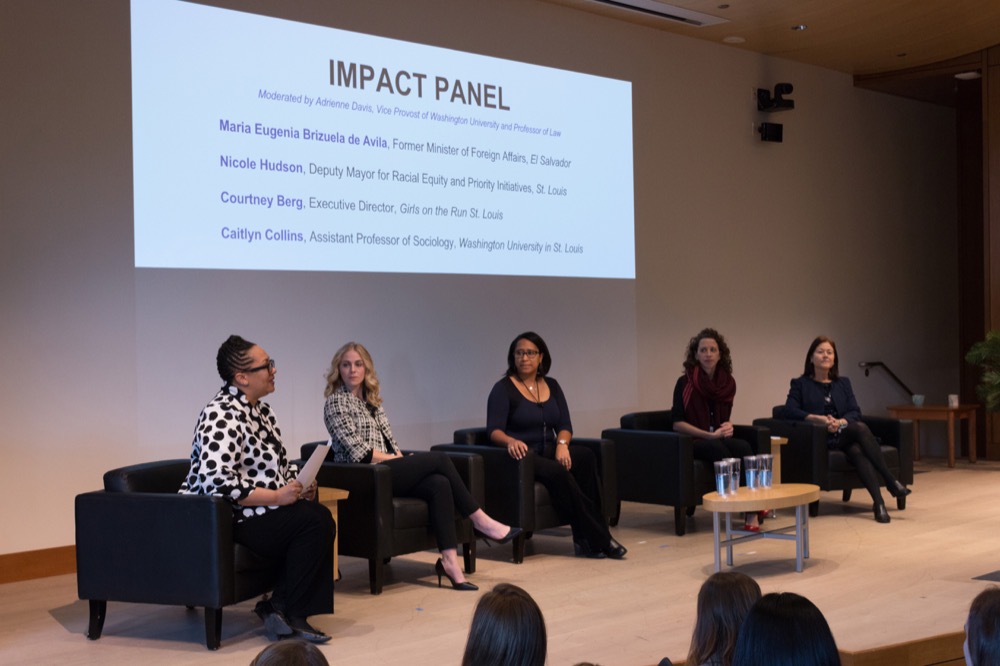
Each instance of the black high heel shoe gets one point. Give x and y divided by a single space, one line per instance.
615 550
881 513
898 490
507 538
439 568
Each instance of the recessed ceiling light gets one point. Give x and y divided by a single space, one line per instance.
801 26
734 39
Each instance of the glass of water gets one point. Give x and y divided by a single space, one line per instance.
722 480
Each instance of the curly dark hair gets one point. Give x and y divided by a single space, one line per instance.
233 357
535 339
725 359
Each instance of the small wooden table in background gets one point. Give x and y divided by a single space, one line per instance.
329 497
939 413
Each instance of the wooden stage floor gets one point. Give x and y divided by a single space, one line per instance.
876 584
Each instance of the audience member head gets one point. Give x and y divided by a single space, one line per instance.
507 630
290 652
785 629
724 601
544 359
809 371
233 357
334 380
725 358
982 629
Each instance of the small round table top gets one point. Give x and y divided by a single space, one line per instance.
776 497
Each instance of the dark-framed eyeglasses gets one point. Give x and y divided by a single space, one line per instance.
269 366
530 353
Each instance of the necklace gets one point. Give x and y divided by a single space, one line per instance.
532 390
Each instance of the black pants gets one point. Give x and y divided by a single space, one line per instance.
862 449
576 495
432 477
299 537
714 450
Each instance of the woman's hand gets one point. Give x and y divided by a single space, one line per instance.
288 494
517 449
562 455
310 492
724 430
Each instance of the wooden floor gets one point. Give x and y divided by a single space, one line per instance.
876 584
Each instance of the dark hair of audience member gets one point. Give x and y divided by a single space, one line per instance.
724 601
785 629
232 357
982 629
290 652
507 630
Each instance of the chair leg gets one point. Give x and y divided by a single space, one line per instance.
901 503
519 548
680 521
469 555
98 610
617 514
814 509
375 575
213 628
847 494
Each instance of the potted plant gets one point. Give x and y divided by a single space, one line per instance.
986 354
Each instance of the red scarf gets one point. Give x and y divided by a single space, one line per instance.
700 390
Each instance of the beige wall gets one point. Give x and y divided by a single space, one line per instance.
847 228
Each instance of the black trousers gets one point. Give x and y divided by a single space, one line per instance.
432 477
714 450
862 449
300 538
576 495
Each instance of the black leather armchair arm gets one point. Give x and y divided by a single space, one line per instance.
804 459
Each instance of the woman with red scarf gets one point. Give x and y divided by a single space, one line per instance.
703 403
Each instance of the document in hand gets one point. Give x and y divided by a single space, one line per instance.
308 472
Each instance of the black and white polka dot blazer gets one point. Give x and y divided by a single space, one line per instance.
237 447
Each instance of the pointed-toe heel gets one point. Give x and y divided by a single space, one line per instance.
881 513
506 538
440 570
898 490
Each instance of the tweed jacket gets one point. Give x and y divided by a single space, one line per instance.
354 431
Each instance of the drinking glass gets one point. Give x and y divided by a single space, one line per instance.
752 472
722 472
734 474
766 465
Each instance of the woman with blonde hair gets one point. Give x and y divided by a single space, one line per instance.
360 433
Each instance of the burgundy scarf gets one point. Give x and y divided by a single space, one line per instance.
702 389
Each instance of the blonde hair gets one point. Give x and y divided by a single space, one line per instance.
370 390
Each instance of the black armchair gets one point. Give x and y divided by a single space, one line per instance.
512 495
657 465
806 458
374 525
140 541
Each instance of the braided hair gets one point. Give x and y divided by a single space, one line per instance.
233 357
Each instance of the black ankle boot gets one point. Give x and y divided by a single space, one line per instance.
881 513
897 489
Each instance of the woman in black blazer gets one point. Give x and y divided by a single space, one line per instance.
822 396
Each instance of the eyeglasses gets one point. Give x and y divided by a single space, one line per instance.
269 366
530 353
